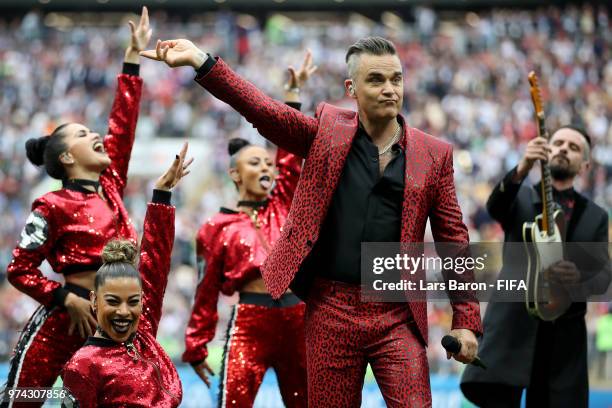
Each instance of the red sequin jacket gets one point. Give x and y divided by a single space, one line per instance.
137 373
230 252
69 227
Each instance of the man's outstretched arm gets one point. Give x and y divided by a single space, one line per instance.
287 128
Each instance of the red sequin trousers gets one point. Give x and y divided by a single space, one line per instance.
344 334
260 337
42 350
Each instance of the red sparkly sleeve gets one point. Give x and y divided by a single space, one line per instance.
289 169
154 267
122 128
35 244
80 389
284 126
447 227
203 321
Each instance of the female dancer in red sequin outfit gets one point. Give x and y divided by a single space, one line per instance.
123 364
231 247
69 228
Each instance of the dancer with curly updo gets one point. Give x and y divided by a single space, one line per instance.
122 364
70 226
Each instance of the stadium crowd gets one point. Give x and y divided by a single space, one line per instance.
465 81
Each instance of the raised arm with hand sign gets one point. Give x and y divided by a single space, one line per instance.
140 37
298 78
178 170
177 53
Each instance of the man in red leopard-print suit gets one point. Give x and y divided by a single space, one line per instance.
367 177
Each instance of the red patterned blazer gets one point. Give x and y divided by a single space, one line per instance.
324 142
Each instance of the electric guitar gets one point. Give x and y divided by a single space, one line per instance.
544 237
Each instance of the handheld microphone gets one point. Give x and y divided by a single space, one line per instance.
452 345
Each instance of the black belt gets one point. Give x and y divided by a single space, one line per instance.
77 290
78 268
265 299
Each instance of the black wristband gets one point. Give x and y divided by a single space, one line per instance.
131 69
59 296
295 105
206 66
161 197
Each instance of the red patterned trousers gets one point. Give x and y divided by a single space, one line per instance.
344 334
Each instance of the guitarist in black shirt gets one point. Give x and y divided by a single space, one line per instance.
546 357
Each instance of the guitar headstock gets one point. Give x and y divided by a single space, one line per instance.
536 94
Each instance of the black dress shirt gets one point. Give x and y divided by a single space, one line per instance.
366 207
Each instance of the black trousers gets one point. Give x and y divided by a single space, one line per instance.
559 375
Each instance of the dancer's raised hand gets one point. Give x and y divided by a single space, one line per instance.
140 37
141 34
178 170
299 78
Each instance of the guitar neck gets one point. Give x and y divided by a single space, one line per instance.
546 184
547 200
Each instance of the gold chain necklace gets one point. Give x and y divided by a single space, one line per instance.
254 218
